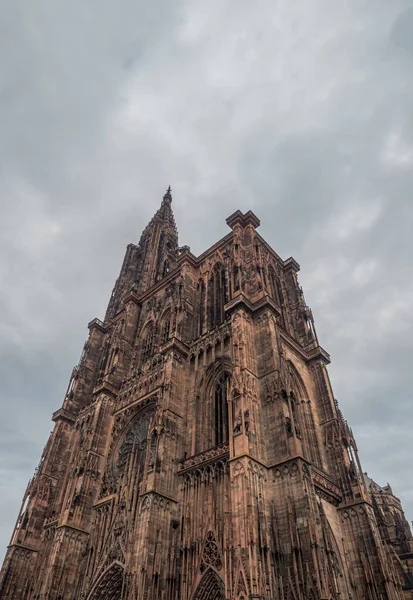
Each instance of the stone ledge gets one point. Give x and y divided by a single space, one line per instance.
97 324
63 415
203 458
174 343
238 217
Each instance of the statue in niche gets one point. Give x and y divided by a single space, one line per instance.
238 423
288 426
247 421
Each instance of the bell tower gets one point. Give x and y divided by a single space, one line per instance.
199 452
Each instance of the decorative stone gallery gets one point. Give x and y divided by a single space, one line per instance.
199 453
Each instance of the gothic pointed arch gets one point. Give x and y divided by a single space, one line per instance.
109 584
148 342
212 410
241 586
201 296
217 295
334 566
211 587
130 448
295 382
165 327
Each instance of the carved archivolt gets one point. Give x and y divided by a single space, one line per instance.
211 587
109 584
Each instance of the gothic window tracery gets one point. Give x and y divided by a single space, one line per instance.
166 328
211 587
217 296
221 409
201 300
147 350
275 286
133 448
276 292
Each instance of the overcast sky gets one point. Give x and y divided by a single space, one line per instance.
301 111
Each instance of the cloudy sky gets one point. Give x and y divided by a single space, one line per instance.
301 111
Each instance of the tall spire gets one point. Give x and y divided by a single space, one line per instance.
159 242
152 259
163 217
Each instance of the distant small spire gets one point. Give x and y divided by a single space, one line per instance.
168 195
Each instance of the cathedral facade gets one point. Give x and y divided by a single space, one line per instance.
199 453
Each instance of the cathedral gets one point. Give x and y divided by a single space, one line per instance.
199 452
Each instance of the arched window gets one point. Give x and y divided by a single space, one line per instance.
217 296
165 270
201 314
276 291
148 344
132 451
274 286
166 328
221 409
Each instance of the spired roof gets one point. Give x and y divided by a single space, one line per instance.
163 216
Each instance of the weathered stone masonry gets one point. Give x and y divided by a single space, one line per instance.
199 452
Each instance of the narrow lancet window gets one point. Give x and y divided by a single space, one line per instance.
217 296
148 345
221 410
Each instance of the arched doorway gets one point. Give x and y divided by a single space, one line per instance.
109 584
211 587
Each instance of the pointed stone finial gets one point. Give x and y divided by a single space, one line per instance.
168 195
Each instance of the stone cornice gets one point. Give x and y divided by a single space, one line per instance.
291 264
98 324
125 404
249 218
160 494
353 503
103 501
105 388
73 528
174 343
22 546
316 353
241 301
62 414
204 458
326 484
248 457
